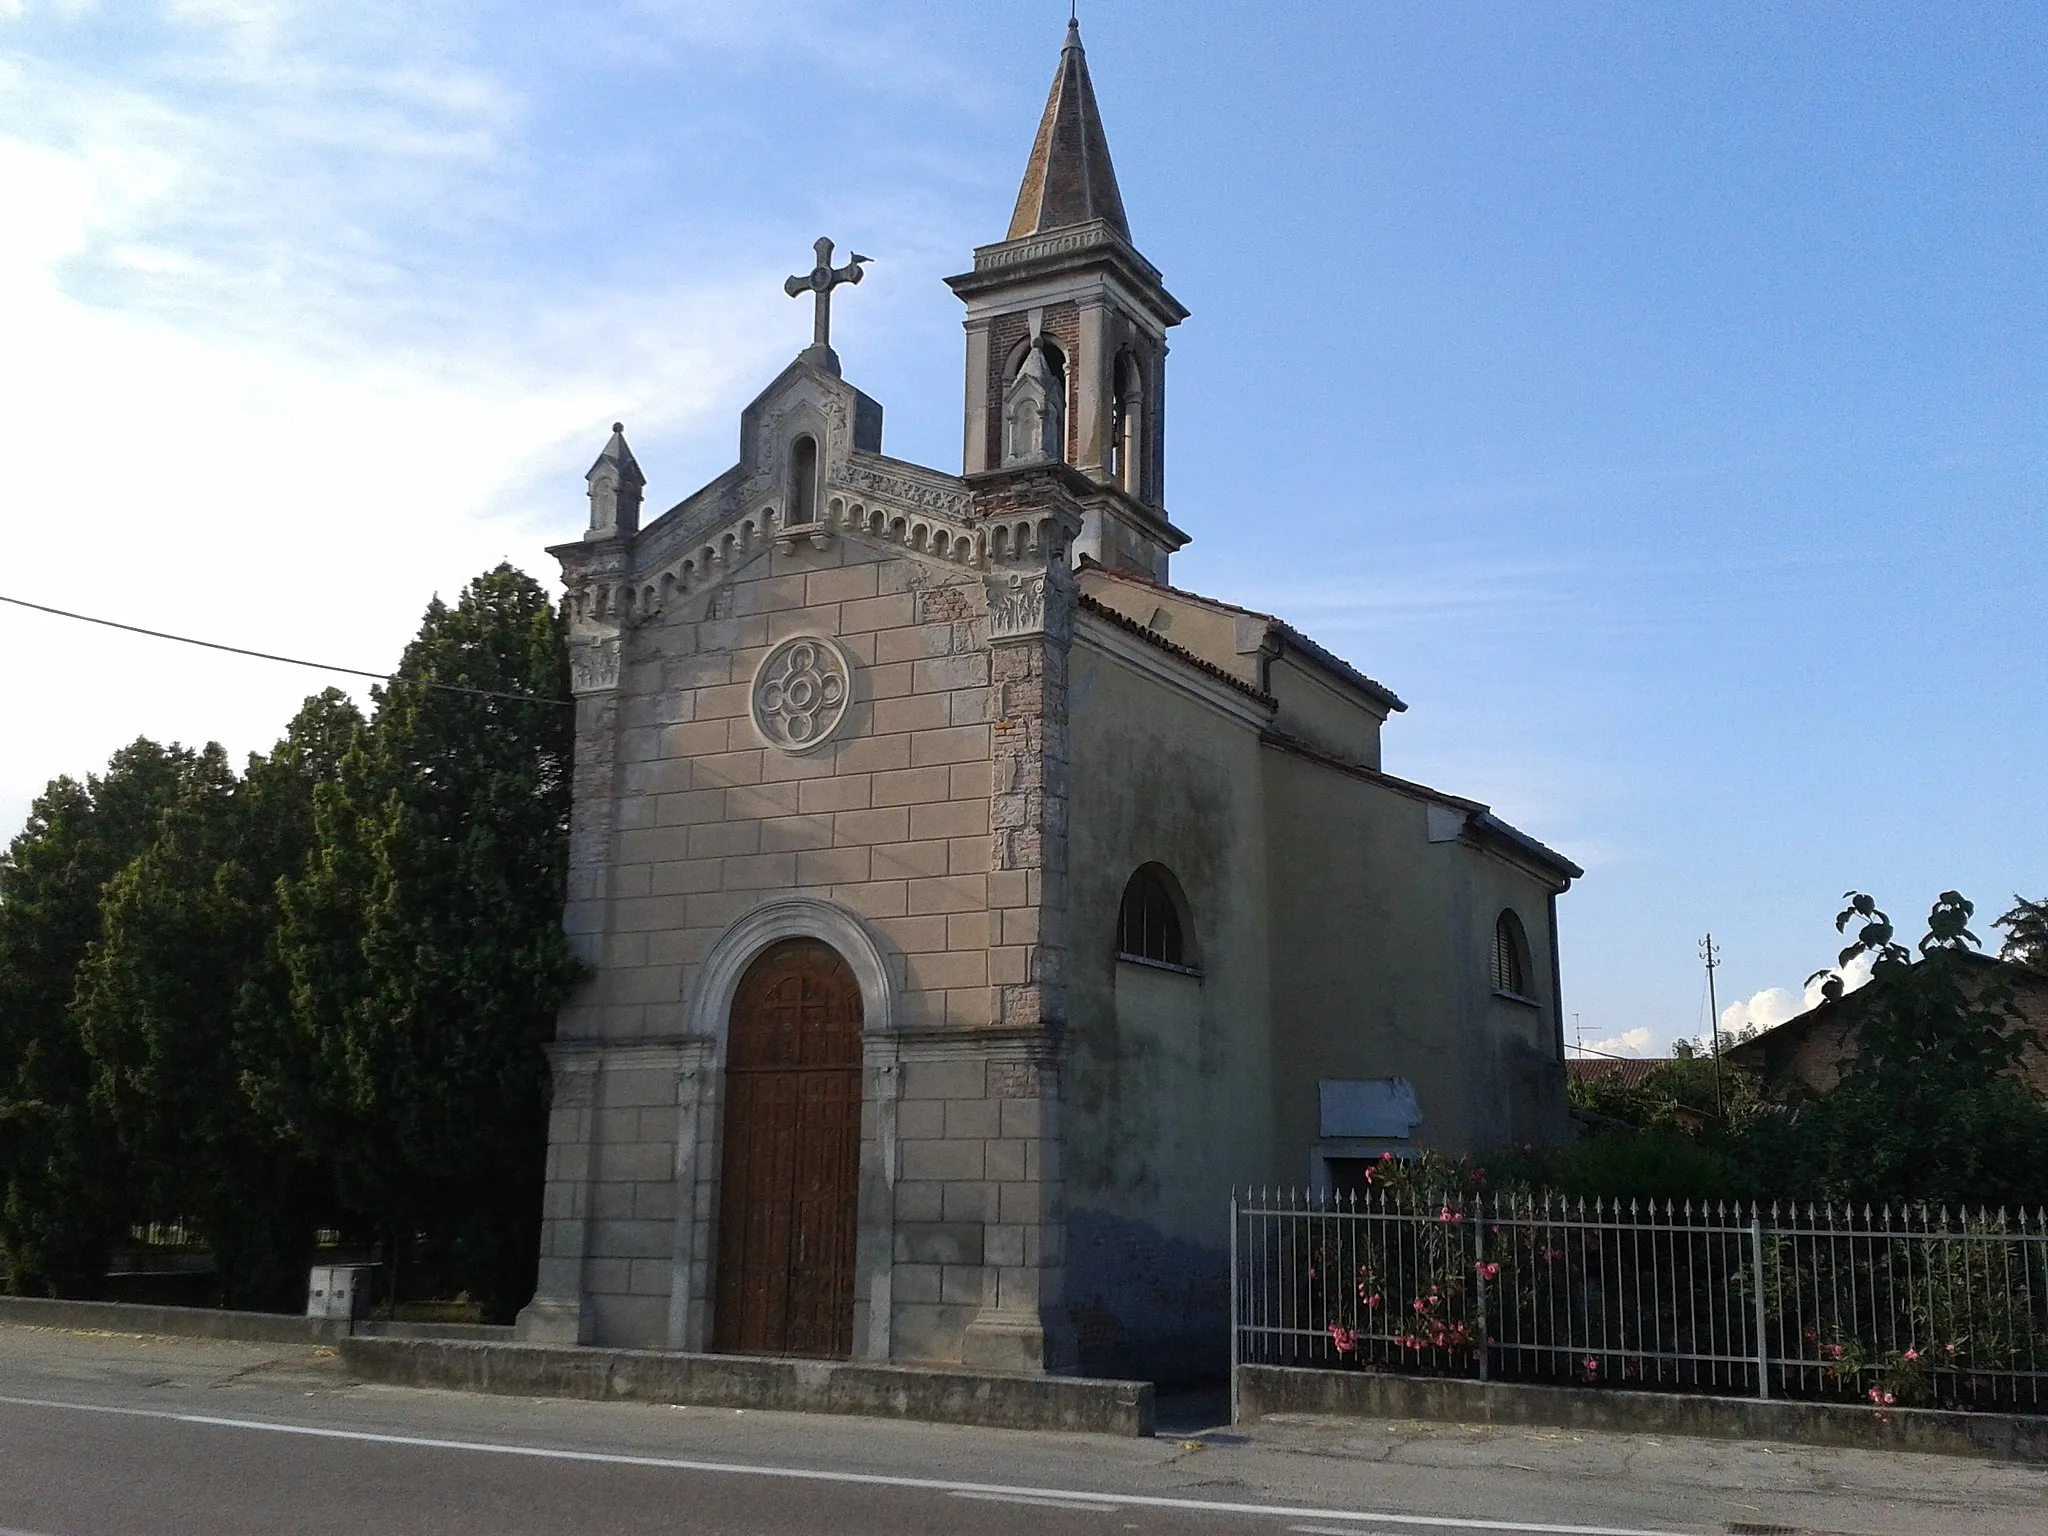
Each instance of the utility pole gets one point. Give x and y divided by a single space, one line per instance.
1578 1035
1712 957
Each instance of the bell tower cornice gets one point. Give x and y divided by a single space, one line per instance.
1011 269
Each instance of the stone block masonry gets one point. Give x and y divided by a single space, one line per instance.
932 815
709 818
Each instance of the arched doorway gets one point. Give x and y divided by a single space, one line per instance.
789 1182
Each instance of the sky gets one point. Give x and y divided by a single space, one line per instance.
1655 397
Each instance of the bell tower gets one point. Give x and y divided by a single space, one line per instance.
1066 337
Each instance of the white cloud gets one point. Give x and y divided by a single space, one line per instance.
232 409
1762 1010
1774 1005
1633 1042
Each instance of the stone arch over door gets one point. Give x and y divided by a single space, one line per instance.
709 1017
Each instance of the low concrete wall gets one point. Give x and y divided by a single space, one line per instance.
737 1381
219 1323
1264 1389
176 1322
374 1328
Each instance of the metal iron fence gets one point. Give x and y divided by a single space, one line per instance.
1909 1306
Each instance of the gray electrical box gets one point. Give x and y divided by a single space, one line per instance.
338 1291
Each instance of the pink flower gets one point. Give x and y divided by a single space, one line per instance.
1345 1340
1911 1354
1373 1300
1592 1365
1488 1271
1882 1398
1447 1214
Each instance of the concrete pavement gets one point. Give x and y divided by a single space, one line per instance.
117 1436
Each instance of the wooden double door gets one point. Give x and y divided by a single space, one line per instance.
789 1184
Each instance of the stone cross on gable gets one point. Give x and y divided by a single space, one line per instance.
820 282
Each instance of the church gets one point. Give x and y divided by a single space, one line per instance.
968 909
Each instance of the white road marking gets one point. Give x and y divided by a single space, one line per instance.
1038 1503
1352 1518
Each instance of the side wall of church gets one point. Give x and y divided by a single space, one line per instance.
1168 1073
889 821
1381 959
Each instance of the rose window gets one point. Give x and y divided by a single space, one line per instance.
800 693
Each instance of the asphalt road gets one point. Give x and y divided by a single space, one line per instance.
117 1436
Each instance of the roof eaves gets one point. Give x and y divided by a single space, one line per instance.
1319 654
1332 662
1492 826
1479 819
1152 637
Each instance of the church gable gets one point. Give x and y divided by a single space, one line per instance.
810 473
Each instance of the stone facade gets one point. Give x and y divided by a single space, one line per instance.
936 724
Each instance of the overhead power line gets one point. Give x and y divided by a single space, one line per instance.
290 661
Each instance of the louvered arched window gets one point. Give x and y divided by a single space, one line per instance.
1510 956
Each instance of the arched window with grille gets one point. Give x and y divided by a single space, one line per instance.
1152 924
1510 956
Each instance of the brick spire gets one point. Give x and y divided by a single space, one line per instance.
1069 180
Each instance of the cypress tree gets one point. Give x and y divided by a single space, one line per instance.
424 942
59 1178
183 1014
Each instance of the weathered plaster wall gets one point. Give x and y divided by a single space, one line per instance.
1211 631
1322 711
1381 953
1168 1073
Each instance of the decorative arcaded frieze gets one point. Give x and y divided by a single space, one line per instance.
1029 538
952 501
